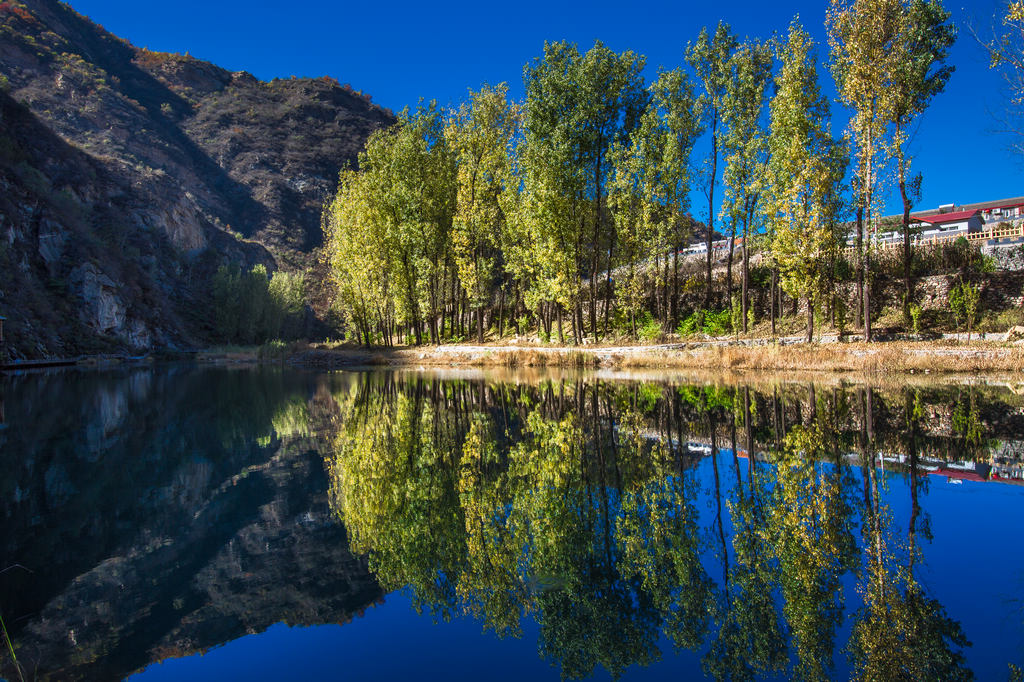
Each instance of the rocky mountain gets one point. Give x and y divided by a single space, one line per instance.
130 175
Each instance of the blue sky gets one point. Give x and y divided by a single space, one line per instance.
401 51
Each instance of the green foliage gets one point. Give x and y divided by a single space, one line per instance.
963 303
250 308
804 174
915 317
736 314
648 329
707 322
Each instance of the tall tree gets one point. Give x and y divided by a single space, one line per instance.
649 193
402 206
355 252
480 135
745 144
576 107
709 58
680 125
863 35
919 73
804 172
633 200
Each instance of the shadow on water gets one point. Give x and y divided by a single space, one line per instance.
770 530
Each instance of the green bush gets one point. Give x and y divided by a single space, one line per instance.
915 317
706 322
647 328
963 302
691 325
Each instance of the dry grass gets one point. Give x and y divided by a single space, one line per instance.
891 358
538 358
882 358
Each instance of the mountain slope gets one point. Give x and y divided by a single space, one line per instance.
171 166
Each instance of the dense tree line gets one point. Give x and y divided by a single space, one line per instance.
251 307
570 211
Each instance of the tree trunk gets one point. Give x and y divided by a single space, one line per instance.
597 249
728 264
867 294
908 291
608 285
501 313
771 297
745 276
810 319
859 255
711 208
674 314
665 304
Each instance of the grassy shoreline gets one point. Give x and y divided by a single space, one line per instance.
895 357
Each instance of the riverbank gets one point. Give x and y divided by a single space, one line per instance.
893 357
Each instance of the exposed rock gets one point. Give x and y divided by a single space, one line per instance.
155 168
103 309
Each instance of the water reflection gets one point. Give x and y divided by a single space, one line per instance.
763 529
575 504
151 513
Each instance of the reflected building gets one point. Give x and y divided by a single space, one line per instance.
178 508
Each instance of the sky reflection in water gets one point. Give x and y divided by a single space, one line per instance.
576 527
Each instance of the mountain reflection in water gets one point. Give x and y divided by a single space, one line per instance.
763 530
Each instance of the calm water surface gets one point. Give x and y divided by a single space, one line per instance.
263 524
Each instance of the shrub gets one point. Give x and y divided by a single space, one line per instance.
717 324
963 302
707 322
648 329
690 325
915 317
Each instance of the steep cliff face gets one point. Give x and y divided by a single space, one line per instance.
131 175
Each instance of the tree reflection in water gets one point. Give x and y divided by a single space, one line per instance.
577 504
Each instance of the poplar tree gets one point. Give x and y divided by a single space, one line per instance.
576 107
354 248
862 35
709 58
679 116
745 144
633 199
400 206
919 73
649 196
480 134
804 172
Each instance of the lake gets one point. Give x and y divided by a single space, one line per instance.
187 522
